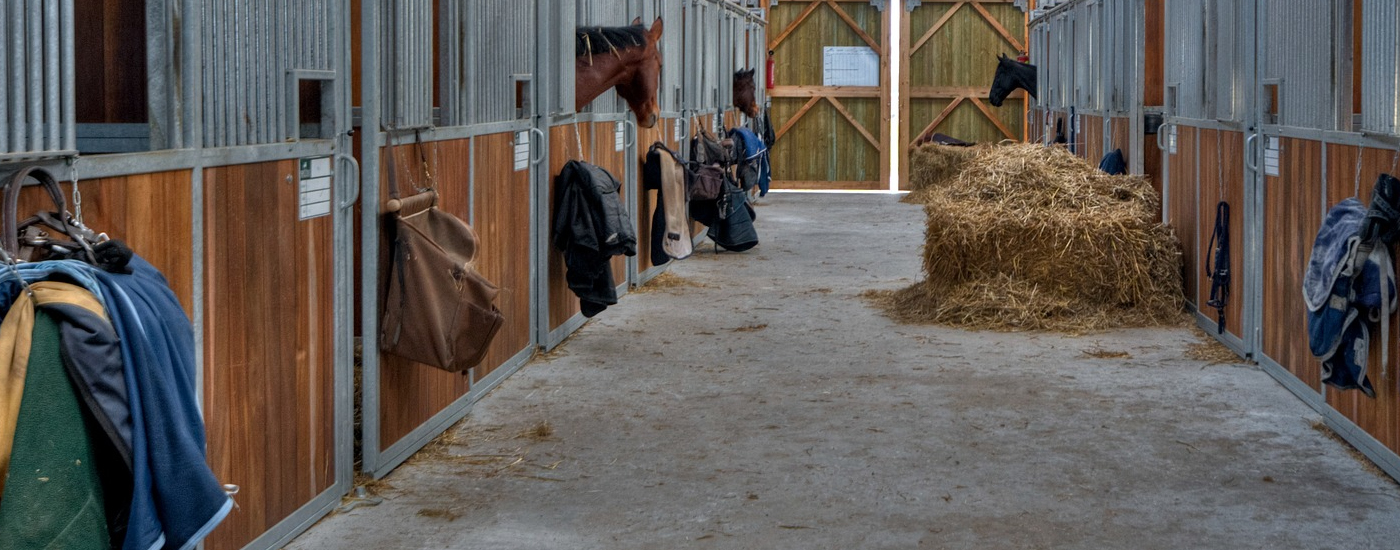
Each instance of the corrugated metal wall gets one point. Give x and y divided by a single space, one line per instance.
36 66
484 55
1298 51
1185 63
249 50
408 62
1380 66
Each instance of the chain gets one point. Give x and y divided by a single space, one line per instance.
77 193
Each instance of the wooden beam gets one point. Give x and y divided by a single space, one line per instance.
992 117
853 25
813 91
950 92
996 25
859 127
936 26
937 120
795 117
793 26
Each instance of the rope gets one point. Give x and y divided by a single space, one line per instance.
1356 185
578 140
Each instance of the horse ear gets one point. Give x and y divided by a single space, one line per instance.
636 21
656 27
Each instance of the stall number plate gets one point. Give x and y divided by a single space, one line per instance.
522 151
619 137
314 187
1272 153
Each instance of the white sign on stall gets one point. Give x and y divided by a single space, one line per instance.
850 66
314 186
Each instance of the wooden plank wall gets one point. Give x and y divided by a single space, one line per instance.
1183 206
1379 417
823 149
501 204
1121 138
1293 203
268 346
951 71
1089 141
606 156
110 47
1221 177
411 393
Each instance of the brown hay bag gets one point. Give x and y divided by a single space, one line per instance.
438 310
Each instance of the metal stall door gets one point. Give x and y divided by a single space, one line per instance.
557 139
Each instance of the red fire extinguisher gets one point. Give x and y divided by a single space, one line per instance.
768 71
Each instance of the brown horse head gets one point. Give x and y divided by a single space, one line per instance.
744 93
625 58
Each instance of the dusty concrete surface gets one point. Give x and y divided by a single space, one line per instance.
770 407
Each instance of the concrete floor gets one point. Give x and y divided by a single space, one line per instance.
771 407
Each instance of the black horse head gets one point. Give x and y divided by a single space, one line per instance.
1011 74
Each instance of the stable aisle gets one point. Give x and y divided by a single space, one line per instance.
772 407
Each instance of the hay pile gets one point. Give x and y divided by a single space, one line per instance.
932 165
1025 237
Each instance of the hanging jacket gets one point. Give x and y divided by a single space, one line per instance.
56 496
590 226
176 501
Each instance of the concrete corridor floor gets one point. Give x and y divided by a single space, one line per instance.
761 403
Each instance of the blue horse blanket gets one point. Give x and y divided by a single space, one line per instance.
1346 285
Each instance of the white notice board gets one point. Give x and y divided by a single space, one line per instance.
850 66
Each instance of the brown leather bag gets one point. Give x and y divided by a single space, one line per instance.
438 310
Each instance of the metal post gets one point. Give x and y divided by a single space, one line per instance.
370 80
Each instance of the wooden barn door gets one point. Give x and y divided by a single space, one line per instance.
949 58
831 108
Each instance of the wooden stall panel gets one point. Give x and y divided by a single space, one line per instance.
567 142
150 212
1221 179
269 343
411 393
1379 417
1182 210
501 202
1293 204
951 58
606 156
1121 139
1089 141
828 137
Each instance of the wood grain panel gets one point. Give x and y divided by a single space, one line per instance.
606 156
502 207
151 212
1293 203
411 393
1183 209
269 365
1091 138
1122 139
564 146
1154 55
110 53
1221 179
1379 417
1152 162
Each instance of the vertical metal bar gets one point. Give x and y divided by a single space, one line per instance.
5 32
191 47
51 90
370 86
243 49
262 69
29 63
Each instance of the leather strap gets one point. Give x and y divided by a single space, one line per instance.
9 216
